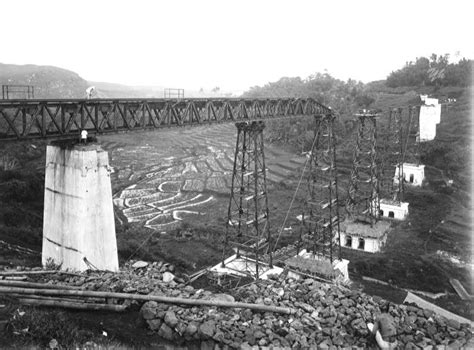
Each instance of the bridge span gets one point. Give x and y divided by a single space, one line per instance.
44 118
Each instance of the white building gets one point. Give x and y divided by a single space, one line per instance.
393 209
412 174
430 116
363 237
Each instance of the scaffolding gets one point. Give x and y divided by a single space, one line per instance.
247 229
411 149
173 93
363 197
320 230
390 155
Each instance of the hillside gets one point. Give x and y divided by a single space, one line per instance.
48 81
112 90
421 255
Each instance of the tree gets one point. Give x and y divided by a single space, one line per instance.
436 71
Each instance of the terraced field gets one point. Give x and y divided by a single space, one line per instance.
166 177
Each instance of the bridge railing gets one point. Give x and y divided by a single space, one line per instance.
22 119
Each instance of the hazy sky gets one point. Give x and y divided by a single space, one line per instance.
230 44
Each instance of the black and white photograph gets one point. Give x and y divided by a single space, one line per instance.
216 175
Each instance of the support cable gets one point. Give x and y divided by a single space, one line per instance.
294 195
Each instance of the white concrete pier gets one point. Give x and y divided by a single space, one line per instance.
79 227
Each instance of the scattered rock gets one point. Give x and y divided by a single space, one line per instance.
165 332
154 324
454 324
140 264
167 277
170 319
297 325
207 328
148 310
222 297
190 330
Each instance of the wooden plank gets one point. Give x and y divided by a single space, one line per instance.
157 298
422 303
458 287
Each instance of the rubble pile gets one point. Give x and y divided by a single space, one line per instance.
326 315
134 277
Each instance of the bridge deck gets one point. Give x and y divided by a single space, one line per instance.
41 118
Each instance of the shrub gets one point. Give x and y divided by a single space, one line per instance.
40 326
21 186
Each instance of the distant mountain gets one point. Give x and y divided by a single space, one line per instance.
54 82
48 81
112 90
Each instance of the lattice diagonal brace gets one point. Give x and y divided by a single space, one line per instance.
363 198
247 226
321 214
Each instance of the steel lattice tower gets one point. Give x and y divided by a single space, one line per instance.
321 233
390 154
247 226
363 198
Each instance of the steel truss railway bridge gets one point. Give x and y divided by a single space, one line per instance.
24 119
247 230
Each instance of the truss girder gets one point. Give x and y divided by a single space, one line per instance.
21 119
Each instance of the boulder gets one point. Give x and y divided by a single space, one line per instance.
149 310
166 332
190 330
454 324
170 319
207 328
167 277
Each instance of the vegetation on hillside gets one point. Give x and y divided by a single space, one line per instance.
343 97
434 76
435 71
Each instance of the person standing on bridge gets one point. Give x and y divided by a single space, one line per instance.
84 136
89 91
384 329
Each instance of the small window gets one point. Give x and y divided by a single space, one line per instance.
348 241
361 244
380 212
412 178
391 214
